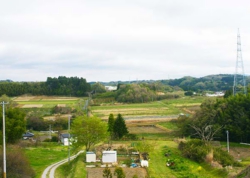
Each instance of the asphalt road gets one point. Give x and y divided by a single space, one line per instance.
50 170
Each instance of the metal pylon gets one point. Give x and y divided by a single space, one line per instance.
239 76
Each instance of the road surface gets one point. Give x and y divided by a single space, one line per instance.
50 170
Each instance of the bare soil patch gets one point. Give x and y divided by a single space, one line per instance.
61 105
145 129
23 98
240 153
32 106
130 172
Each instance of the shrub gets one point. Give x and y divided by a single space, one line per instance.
131 136
200 152
17 165
54 139
224 158
107 173
195 149
119 172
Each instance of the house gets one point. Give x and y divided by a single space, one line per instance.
90 157
28 135
64 138
111 88
109 156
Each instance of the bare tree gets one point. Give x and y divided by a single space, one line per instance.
206 132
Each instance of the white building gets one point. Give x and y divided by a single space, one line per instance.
111 88
109 156
90 157
64 138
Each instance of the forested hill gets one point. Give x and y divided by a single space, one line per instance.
74 86
219 82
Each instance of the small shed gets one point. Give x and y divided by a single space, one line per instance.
90 157
144 163
65 138
109 156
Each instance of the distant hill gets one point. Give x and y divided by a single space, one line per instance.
217 82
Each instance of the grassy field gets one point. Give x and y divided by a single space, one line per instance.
42 156
181 167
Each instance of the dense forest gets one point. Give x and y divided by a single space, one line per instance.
147 89
61 86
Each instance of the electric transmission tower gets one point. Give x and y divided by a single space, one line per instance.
239 76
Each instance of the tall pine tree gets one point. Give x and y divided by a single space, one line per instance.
111 122
120 128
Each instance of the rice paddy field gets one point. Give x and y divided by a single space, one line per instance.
164 109
45 101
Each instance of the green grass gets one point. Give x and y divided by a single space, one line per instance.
187 100
43 156
76 169
182 167
169 125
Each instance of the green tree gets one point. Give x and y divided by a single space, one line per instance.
111 122
228 93
8 100
120 128
119 173
98 88
107 173
88 131
15 124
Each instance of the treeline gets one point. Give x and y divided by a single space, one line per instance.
217 117
135 93
219 82
61 86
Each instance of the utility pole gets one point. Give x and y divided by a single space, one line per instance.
69 140
4 145
50 132
227 141
239 76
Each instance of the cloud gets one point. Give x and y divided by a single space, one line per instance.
121 40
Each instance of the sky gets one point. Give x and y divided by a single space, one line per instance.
122 40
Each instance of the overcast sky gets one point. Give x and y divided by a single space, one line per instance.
110 40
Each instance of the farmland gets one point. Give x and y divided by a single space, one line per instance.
159 109
44 101
148 121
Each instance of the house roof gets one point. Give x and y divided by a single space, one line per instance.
28 134
65 135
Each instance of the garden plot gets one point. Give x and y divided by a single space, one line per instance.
130 172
